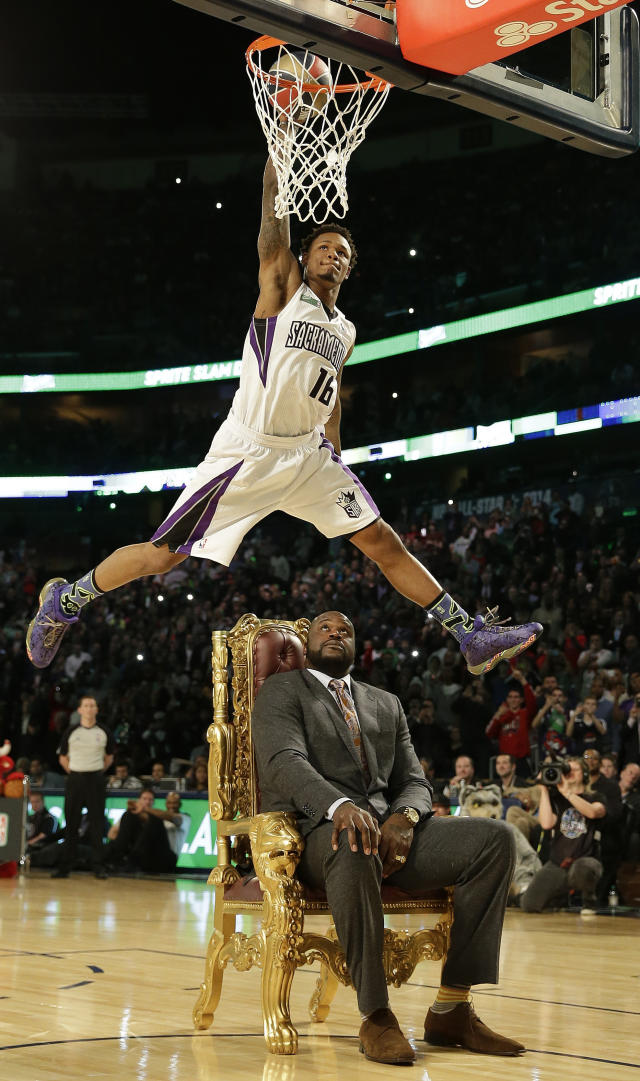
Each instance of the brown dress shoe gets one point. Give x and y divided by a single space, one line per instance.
461 1027
382 1041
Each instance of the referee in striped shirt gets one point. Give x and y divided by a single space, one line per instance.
85 752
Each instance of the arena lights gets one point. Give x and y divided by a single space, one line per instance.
461 329
502 433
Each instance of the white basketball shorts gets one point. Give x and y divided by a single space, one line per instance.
247 475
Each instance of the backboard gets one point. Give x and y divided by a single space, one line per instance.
581 87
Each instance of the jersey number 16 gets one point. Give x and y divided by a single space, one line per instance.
322 389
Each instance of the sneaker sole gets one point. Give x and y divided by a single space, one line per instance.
43 592
503 655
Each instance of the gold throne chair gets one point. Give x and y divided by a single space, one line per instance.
257 649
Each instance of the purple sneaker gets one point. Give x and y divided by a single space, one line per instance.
490 641
45 631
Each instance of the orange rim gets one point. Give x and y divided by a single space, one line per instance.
372 82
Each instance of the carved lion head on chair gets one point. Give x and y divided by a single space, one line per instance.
276 845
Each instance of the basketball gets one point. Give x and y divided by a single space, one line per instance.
288 74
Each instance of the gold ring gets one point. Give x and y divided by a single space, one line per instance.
400 859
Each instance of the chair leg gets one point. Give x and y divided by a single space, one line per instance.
322 997
277 974
211 987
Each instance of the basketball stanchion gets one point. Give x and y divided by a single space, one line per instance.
314 114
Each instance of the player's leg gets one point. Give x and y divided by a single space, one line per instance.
330 496
482 641
61 602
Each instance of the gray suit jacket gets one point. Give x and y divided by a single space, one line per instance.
307 759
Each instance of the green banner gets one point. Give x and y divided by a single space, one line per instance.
459 330
199 848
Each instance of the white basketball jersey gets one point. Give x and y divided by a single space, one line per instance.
290 364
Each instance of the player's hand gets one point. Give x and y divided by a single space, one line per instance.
355 821
396 837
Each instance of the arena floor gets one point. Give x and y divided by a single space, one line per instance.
98 980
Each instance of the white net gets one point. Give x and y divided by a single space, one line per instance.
314 114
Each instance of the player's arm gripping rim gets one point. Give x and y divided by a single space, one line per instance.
279 275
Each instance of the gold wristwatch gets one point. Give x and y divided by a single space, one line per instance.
410 814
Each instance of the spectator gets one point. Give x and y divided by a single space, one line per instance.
472 713
593 659
630 796
551 721
74 662
506 774
199 781
441 805
609 766
630 731
572 814
584 728
630 654
510 723
122 778
175 821
431 740
462 778
139 840
41 777
41 825
158 772
627 837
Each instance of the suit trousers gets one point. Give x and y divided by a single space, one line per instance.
475 855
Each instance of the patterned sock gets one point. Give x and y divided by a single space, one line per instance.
449 997
75 595
452 617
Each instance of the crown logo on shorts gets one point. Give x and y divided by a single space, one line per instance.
349 504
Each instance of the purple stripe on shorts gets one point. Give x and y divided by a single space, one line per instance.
213 488
205 520
336 458
263 361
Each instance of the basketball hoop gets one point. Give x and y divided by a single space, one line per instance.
312 124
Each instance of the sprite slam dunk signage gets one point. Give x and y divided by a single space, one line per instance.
428 337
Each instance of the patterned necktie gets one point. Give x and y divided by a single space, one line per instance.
339 687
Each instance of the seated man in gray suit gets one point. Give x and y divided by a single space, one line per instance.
338 755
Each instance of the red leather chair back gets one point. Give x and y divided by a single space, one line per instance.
276 649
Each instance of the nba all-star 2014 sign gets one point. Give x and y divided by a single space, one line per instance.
477 32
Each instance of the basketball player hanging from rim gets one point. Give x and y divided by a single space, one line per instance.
279 449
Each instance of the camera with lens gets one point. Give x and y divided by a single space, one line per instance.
553 772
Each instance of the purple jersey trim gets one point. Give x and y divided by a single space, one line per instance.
336 458
209 495
263 360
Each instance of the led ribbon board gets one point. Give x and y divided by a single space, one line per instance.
461 329
479 437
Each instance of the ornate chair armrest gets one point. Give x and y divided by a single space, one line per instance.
276 846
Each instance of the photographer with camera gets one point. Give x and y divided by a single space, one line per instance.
571 813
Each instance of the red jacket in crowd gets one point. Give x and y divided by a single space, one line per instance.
511 728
